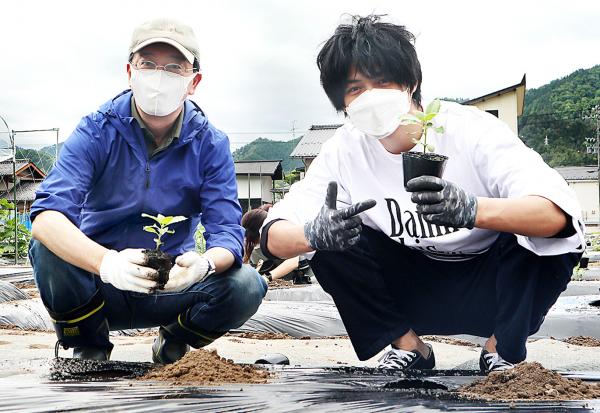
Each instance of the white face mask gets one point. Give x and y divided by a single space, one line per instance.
377 112
158 92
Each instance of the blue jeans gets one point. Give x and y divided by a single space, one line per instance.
219 303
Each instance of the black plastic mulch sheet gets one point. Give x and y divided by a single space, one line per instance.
9 292
296 318
291 390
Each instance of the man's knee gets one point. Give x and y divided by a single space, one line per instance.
243 293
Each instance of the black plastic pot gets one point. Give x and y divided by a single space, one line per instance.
417 164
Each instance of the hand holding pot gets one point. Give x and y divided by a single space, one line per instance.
442 202
189 268
333 229
126 272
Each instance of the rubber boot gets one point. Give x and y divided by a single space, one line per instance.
175 339
85 329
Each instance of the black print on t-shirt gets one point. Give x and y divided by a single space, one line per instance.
413 223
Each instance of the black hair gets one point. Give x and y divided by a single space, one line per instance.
375 49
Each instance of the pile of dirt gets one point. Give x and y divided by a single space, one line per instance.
202 368
449 340
529 381
584 341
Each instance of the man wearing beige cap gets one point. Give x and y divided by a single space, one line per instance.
151 151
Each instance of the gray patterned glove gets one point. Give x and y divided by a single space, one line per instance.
442 202
334 230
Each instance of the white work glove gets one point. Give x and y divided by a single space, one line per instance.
124 270
189 268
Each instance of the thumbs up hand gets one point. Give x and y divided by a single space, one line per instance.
333 229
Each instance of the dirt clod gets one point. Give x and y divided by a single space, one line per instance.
160 261
529 381
202 368
584 341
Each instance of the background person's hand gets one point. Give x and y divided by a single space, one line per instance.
333 229
189 269
442 202
126 272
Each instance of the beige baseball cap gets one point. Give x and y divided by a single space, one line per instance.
169 31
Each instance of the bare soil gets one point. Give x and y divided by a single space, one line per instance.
449 340
280 283
529 381
267 335
14 330
263 335
583 341
206 368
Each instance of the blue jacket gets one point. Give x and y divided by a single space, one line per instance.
104 180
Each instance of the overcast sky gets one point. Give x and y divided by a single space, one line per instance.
61 60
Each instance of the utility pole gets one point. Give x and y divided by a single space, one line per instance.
597 116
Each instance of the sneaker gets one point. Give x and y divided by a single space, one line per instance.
91 353
396 359
167 349
489 362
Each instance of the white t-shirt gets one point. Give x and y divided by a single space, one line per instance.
485 158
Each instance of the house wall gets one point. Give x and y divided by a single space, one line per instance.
260 187
506 105
587 195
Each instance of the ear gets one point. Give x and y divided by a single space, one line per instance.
194 84
128 68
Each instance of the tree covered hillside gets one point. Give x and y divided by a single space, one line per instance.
559 116
267 149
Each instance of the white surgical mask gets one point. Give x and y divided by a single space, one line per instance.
377 112
158 92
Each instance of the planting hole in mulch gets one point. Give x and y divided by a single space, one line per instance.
528 381
160 261
583 341
202 368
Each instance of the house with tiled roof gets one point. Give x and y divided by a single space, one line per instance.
28 179
310 145
256 182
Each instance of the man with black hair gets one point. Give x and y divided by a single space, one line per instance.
484 251
148 150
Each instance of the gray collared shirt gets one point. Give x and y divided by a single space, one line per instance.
151 147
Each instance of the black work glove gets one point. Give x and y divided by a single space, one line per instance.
443 203
334 230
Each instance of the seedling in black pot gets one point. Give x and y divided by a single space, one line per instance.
157 259
417 164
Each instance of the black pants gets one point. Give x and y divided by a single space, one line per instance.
382 289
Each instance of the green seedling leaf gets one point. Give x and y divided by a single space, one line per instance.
433 107
409 119
429 116
430 147
151 229
151 217
439 129
165 221
420 116
177 219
